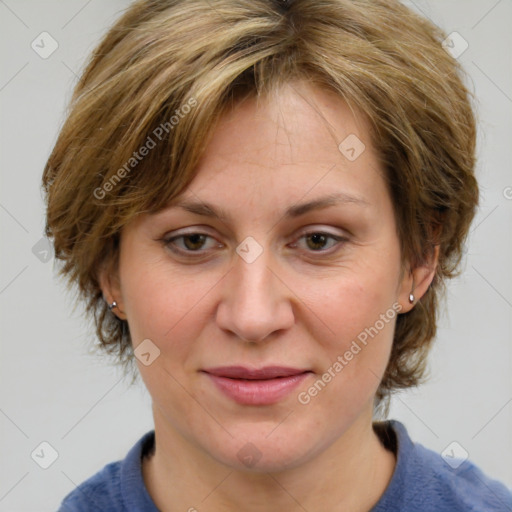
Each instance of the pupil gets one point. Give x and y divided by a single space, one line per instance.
318 239
195 239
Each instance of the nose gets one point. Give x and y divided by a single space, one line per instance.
255 301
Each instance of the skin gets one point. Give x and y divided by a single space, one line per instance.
301 303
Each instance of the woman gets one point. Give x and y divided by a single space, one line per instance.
259 202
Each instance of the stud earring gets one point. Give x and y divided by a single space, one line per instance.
411 298
112 306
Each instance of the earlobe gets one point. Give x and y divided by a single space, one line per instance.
110 287
416 283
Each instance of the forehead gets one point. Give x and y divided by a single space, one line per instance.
300 142
291 125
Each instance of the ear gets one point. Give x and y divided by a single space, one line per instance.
417 280
110 285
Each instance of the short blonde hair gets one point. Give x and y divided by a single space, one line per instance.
162 56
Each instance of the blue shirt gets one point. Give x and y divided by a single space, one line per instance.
422 481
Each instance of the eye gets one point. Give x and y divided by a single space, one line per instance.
196 244
189 243
319 241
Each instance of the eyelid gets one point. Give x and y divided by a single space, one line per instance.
196 230
168 241
318 228
169 238
193 230
339 238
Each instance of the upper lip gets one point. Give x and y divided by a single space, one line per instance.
241 372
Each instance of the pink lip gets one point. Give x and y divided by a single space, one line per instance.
256 386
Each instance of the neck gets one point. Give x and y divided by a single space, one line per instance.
350 474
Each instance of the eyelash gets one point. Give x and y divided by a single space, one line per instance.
170 242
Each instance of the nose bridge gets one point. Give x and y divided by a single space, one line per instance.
254 303
253 280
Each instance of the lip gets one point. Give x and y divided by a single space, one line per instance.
250 386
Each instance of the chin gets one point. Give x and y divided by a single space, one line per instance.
263 450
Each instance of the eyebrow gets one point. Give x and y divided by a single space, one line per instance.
206 209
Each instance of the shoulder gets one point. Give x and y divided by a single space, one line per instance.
100 490
461 487
424 480
117 487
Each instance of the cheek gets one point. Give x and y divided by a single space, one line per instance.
354 358
169 309
160 304
355 299
358 309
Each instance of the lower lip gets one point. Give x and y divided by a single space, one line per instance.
258 392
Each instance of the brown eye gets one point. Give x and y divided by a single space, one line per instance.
190 243
318 241
194 241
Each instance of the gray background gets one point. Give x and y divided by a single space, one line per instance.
53 389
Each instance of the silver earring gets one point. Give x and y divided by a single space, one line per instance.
112 306
411 298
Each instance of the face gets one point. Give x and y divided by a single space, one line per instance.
280 277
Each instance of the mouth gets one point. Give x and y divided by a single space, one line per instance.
249 386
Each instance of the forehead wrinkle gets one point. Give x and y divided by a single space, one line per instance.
206 209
